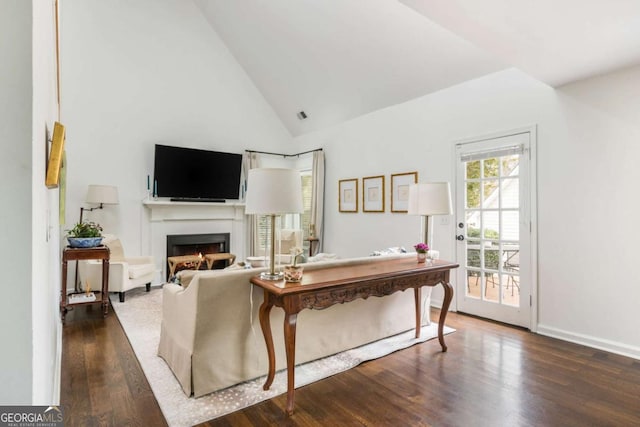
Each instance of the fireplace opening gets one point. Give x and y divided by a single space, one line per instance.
197 244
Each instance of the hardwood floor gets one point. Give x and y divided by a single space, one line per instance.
102 382
492 375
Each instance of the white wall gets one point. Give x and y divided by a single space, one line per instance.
137 73
587 175
30 257
15 189
47 328
417 136
145 72
589 196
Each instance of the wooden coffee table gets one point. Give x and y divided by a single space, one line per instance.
222 256
175 261
323 288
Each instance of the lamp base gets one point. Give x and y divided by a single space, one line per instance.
268 276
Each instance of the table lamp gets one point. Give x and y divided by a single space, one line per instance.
428 199
101 195
273 192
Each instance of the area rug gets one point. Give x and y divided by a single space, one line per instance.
140 317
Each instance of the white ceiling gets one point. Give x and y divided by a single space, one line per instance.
339 59
555 41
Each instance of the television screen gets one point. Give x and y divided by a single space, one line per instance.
202 175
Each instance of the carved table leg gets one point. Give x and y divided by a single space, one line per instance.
448 296
265 324
290 321
417 293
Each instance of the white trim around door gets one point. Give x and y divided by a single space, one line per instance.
496 226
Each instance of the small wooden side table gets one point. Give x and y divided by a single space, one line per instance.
78 254
174 261
311 241
222 256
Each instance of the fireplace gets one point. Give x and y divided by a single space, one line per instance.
194 244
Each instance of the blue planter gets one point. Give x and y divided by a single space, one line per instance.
84 242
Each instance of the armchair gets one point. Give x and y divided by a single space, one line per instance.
125 273
289 239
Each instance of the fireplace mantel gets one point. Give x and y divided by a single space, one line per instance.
164 210
166 217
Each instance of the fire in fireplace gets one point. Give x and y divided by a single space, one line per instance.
196 244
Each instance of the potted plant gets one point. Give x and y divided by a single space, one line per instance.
293 272
421 251
85 235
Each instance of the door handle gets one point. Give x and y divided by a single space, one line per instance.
460 237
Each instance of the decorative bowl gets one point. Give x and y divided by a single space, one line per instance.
293 273
84 242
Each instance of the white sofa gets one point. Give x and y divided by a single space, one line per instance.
211 337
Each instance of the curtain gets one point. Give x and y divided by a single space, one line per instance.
249 161
317 198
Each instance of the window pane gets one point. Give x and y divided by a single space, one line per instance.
492 287
491 259
473 284
510 165
511 257
473 223
490 194
510 225
490 225
262 234
473 194
491 168
473 257
305 217
510 190
473 170
511 294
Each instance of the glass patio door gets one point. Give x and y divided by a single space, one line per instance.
493 223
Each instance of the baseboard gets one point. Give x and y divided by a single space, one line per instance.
586 340
590 341
57 364
436 303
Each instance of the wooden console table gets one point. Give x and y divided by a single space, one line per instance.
78 254
323 288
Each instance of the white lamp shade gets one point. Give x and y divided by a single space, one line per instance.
430 198
105 194
273 191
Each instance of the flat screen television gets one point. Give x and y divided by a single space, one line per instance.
190 174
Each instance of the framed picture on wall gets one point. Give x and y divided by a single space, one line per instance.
373 194
348 195
400 183
52 176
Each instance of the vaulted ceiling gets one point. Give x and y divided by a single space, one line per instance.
339 59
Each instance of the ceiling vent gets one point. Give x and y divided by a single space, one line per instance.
302 115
